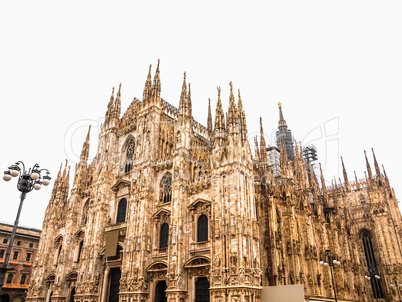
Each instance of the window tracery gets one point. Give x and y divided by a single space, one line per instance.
129 156
166 188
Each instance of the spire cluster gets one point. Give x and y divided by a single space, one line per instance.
234 125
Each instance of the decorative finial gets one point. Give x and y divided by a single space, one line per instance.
280 105
231 86
219 92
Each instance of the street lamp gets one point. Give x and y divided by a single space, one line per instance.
397 284
368 278
331 262
27 181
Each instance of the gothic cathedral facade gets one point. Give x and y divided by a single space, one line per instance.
170 210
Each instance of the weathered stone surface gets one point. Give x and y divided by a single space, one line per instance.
159 175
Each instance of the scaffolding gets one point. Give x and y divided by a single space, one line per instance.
311 159
310 153
273 155
285 136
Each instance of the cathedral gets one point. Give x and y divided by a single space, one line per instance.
171 210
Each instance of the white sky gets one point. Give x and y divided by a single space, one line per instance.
335 66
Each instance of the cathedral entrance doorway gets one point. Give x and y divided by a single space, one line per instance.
72 294
160 292
115 275
202 290
5 298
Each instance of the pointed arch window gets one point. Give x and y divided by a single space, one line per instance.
121 211
362 199
166 188
164 236
59 253
23 279
85 209
372 264
202 228
9 278
129 156
80 250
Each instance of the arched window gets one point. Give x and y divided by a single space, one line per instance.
80 250
85 210
362 199
129 156
121 211
9 278
372 264
202 228
164 236
58 254
23 279
166 188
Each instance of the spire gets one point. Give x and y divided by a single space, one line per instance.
59 174
377 168
148 86
117 104
357 181
368 166
297 157
111 98
183 95
184 108
385 174
190 106
283 158
232 116
263 147
282 123
256 151
323 187
156 88
239 102
85 148
65 170
345 175
242 116
110 105
220 128
209 121
313 184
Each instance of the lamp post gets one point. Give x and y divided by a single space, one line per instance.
27 181
368 277
331 262
397 284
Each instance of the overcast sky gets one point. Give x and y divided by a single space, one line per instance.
335 66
